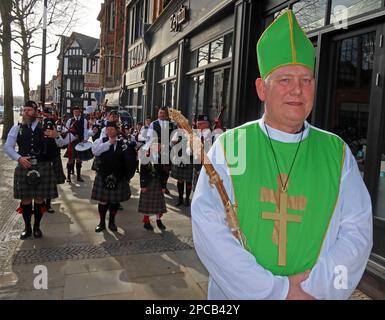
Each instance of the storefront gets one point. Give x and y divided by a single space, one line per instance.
133 98
191 62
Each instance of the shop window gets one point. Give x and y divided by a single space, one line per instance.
228 44
350 105
173 94
380 203
166 73
164 94
310 14
194 59
343 9
216 50
197 94
172 68
203 55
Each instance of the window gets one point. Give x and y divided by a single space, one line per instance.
216 50
76 84
172 68
136 55
136 20
343 9
169 70
110 63
197 94
212 52
309 13
194 59
380 203
173 94
75 63
228 44
112 16
203 55
350 104
164 94
166 71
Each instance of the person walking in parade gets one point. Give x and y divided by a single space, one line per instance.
111 185
78 126
34 178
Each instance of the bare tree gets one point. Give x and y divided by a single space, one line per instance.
5 39
62 16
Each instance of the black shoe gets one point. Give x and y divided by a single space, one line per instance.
167 191
80 179
179 203
68 179
50 210
187 203
112 226
148 226
25 234
100 227
37 232
160 225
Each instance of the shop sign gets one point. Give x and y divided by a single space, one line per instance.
178 18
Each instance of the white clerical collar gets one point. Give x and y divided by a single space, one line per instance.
284 136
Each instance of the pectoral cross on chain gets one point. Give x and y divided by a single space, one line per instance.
283 201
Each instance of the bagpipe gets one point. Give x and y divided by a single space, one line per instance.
217 124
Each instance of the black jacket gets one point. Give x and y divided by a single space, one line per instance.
153 171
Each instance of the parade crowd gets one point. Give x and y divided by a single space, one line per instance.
119 149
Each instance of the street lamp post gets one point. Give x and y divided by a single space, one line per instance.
43 55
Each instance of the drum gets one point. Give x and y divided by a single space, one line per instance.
84 151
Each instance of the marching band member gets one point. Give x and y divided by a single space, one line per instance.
34 178
181 168
77 125
111 185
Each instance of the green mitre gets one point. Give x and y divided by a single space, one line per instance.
284 43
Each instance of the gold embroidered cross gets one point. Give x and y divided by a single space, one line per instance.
283 201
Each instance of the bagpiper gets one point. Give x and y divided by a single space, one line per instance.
111 185
78 126
34 179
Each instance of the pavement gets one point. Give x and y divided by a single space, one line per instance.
78 263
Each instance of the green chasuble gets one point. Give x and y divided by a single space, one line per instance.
285 230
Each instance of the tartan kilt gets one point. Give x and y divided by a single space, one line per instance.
182 172
74 152
120 194
152 201
196 172
57 167
46 189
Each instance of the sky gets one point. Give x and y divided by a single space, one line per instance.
87 25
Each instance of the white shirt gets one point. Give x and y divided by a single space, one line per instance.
99 146
10 144
86 131
234 272
152 135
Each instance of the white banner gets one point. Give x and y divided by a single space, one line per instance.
91 82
